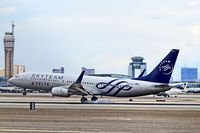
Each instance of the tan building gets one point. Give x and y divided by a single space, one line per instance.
17 69
2 72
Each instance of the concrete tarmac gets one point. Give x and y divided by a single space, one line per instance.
57 115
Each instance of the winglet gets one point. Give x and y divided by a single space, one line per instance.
80 77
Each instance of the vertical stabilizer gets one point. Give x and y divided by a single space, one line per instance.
163 70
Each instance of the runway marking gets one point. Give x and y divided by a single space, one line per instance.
47 131
36 130
119 104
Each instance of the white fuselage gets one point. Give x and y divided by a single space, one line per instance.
192 90
175 91
95 85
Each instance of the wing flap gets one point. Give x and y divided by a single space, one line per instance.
77 88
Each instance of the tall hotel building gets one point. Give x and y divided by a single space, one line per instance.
9 41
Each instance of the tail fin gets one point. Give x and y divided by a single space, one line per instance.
185 85
163 70
182 86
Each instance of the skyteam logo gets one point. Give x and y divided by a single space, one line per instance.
166 67
114 86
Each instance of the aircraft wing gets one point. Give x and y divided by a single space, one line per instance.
77 88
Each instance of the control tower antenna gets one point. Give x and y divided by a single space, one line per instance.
13 25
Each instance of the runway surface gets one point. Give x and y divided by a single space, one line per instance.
56 115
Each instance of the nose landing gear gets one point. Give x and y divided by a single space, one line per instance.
24 92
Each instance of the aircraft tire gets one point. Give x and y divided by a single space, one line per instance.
83 100
24 93
94 98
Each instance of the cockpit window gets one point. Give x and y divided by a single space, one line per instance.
17 76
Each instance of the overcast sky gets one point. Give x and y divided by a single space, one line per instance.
101 34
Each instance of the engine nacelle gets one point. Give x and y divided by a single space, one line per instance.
59 91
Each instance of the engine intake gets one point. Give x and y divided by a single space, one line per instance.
59 91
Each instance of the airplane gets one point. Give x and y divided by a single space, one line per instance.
193 90
176 88
66 85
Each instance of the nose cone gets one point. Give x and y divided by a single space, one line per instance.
11 80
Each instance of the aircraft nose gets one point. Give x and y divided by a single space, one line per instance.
11 80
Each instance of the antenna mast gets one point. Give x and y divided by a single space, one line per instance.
13 25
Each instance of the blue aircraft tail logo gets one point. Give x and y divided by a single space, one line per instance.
166 67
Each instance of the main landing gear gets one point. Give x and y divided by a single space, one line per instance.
84 99
94 98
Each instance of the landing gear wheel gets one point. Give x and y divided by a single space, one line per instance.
24 92
94 98
83 100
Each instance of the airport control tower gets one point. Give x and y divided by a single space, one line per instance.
137 63
9 41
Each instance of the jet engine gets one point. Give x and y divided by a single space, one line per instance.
59 91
